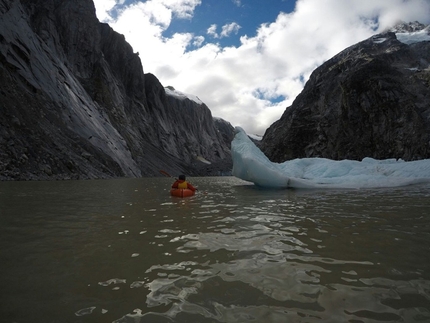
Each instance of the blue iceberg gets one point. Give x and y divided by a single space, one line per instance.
250 164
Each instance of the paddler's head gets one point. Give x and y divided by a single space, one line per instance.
182 177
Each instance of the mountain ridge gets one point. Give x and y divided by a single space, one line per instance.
370 100
76 103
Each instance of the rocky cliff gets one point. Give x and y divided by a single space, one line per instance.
75 102
370 100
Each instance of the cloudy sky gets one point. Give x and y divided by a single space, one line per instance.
248 59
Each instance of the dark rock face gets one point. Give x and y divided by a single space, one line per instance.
371 100
75 103
226 130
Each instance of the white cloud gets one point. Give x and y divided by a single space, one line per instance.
237 2
103 7
212 31
198 41
237 83
228 29
183 9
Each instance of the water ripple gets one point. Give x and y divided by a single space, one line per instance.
234 254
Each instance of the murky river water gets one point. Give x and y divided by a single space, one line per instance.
125 251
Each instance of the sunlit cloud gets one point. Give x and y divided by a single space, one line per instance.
103 7
237 2
212 31
198 41
228 29
183 9
251 84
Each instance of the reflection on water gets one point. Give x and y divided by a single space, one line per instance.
125 251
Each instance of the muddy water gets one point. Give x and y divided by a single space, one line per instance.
125 251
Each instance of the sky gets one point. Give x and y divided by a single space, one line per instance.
247 60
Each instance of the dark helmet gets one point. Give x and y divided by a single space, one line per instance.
182 177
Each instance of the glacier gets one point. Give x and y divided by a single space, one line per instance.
250 164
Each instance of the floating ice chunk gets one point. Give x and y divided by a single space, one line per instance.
250 164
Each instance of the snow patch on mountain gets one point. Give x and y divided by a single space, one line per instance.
170 90
414 37
411 33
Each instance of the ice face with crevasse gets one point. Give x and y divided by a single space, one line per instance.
250 164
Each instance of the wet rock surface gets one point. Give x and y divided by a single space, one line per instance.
75 103
370 100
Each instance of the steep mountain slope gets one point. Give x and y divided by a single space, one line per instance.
370 100
75 102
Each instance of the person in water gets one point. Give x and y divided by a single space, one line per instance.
182 183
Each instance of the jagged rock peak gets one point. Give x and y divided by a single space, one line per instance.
370 100
403 27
